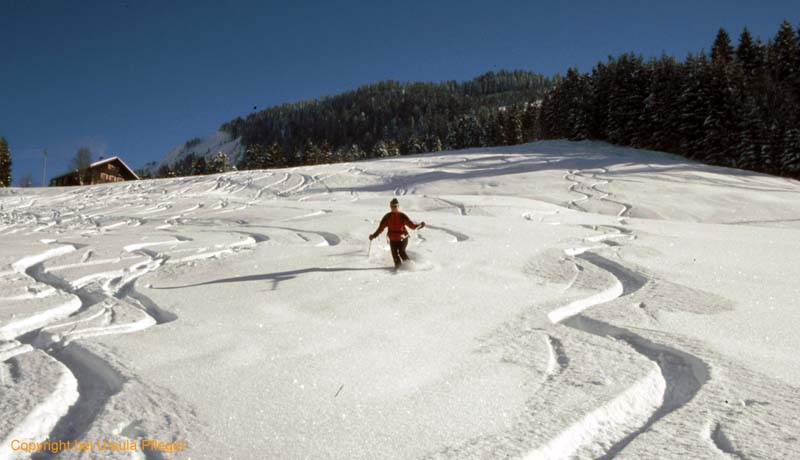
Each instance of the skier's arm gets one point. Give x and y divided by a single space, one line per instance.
410 224
381 227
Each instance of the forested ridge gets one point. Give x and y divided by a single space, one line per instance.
387 118
735 106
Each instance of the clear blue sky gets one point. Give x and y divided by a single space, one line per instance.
137 78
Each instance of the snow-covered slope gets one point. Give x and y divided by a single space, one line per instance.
565 300
205 147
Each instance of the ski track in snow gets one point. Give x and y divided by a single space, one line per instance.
723 444
457 236
604 432
269 186
592 192
574 203
99 303
558 359
97 382
37 423
328 238
680 375
462 210
107 301
305 181
321 212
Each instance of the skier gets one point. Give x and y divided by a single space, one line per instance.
398 236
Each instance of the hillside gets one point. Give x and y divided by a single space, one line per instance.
377 120
564 300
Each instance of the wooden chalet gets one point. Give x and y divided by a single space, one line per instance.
100 172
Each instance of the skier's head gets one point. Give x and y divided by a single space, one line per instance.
394 204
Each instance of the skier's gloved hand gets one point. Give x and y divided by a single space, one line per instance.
371 237
421 224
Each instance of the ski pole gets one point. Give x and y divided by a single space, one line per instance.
369 248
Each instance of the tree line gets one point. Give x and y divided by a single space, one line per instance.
191 165
737 107
388 118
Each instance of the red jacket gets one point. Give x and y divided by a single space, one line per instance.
397 223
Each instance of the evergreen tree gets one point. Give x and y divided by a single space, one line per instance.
471 131
790 161
626 99
497 128
452 140
773 149
297 158
599 95
274 156
219 164
185 166
748 55
750 140
436 144
255 157
577 93
380 150
783 54
551 126
355 153
413 145
722 51
793 86
163 171
530 122
313 154
692 108
200 167
660 121
327 153
514 134
5 163
393 148
720 115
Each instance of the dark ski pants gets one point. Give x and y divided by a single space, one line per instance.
398 251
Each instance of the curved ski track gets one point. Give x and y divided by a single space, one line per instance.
604 432
106 303
680 375
591 191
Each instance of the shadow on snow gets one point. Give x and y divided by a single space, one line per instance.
276 277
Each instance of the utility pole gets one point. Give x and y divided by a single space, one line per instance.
44 167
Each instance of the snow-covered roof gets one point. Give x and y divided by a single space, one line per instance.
108 160
101 162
